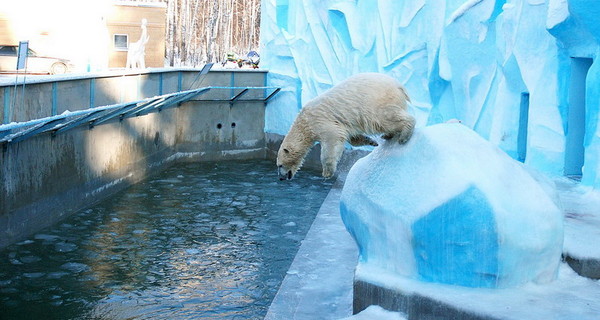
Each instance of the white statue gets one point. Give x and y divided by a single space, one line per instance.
135 54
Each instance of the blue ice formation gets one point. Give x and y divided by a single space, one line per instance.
523 74
450 207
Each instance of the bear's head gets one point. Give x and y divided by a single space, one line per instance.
289 161
294 147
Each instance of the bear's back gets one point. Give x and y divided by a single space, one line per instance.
361 94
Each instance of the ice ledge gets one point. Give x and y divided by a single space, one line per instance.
569 297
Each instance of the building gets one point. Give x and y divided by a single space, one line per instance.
124 28
94 35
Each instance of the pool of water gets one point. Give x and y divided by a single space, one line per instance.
198 241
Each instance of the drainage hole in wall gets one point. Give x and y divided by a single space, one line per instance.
156 138
219 126
233 124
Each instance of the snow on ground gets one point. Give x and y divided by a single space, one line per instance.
581 206
376 312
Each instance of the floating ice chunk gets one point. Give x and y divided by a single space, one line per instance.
450 207
30 259
65 247
75 267
33 275
192 251
46 237
238 223
57 275
290 224
56 302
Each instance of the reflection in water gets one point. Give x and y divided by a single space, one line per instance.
201 240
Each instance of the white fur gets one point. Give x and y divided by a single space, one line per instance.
364 104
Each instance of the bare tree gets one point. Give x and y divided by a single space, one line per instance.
200 31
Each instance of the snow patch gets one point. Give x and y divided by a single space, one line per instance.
377 312
558 12
462 10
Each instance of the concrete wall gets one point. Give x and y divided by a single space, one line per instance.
46 178
47 96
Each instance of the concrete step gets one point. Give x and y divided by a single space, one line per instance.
589 268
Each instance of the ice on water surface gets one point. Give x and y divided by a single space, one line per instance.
216 243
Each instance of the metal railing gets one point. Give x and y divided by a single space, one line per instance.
15 132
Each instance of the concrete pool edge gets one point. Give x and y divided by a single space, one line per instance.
319 283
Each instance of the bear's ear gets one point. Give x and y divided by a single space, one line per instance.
286 150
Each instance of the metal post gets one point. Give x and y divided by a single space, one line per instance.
160 84
7 110
92 92
232 84
179 81
54 98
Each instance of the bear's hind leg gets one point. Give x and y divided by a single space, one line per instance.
361 140
403 130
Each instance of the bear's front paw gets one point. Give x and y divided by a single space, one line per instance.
401 137
328 171
406 132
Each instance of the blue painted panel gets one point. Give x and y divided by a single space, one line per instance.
574 150
282 11
457 242
523 125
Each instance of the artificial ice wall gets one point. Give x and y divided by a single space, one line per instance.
522 73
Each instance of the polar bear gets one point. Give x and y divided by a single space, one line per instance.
364 104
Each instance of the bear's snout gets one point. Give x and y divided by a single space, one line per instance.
283 174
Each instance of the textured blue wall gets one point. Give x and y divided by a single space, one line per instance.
470 60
